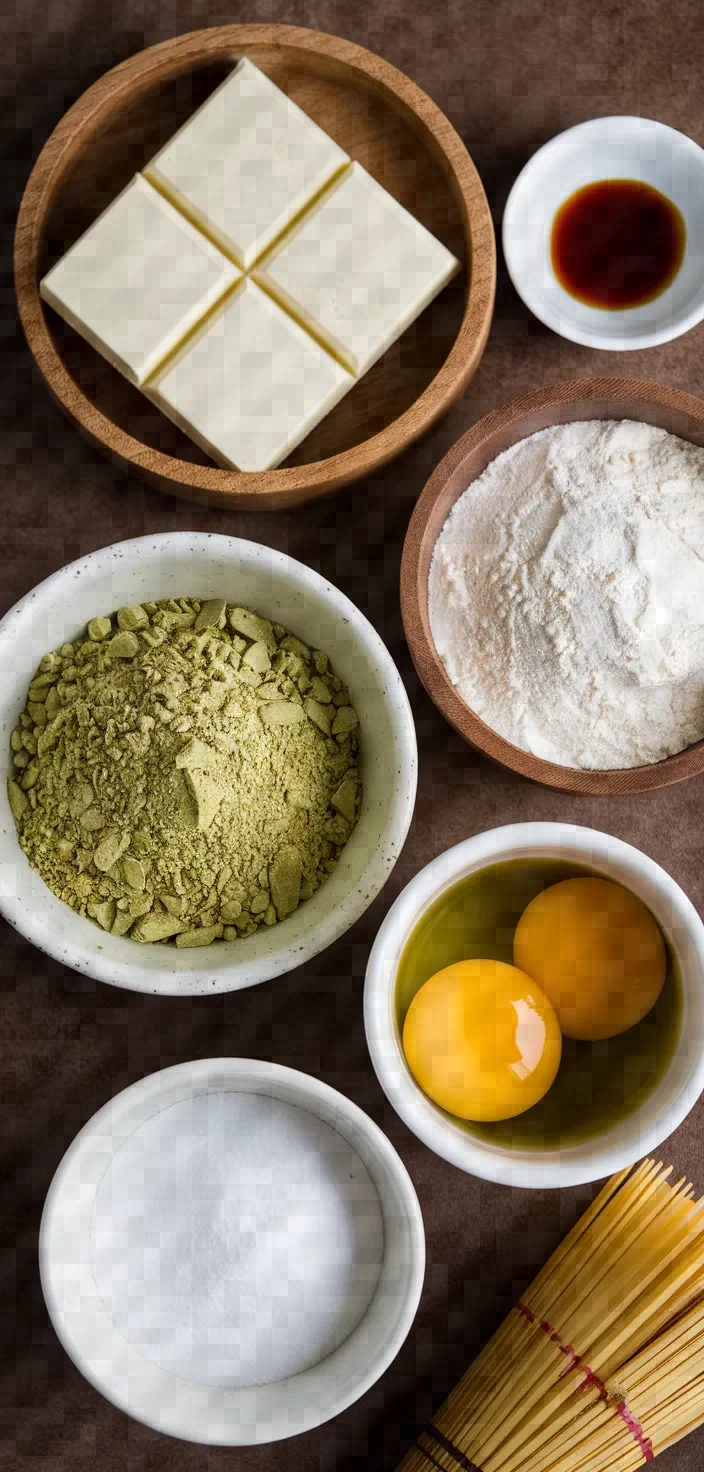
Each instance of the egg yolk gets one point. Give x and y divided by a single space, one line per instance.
482 1040
597 952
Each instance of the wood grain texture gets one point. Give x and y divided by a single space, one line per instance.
562 403
386 123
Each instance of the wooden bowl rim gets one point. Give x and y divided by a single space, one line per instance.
164 62
417 552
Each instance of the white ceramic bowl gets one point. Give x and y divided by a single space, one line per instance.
639 1133
607 148
179 563
208 1413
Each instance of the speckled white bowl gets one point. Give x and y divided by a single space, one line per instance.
639 1133
204 565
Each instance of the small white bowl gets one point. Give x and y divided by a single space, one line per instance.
638 1133
174 564
607 148
209 1413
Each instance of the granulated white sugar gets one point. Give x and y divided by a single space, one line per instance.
236 1239
566 594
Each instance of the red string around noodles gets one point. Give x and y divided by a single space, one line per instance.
590 1378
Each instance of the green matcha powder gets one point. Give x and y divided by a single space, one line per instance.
187 772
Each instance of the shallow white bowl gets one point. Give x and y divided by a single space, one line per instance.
607 148
642 1131
175 564
208 1413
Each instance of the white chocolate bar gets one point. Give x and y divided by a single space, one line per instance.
250 385
357 270
138 280
246 163
335 269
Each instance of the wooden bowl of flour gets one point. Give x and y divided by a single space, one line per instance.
386 123
562 403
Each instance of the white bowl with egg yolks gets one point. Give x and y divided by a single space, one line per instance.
623 1141
203 565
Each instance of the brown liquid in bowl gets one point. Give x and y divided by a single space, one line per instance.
617 243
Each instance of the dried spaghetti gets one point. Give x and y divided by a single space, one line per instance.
600 1366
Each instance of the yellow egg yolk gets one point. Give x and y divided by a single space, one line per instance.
597 952
482 1040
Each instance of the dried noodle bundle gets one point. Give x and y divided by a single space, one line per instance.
600 1366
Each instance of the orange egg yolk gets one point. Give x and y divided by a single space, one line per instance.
482 1040
596 951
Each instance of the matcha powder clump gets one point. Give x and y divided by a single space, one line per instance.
187 772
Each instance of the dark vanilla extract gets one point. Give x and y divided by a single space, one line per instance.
617 243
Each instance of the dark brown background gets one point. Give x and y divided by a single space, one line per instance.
510 73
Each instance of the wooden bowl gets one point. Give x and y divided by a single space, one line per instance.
594 398
386 123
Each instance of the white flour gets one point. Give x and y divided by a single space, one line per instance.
566 594
236 1239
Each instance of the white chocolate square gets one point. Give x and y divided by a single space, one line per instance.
138 280
357 270
250 385
245 164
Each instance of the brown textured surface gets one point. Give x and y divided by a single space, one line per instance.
598 398
508 75
386 123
